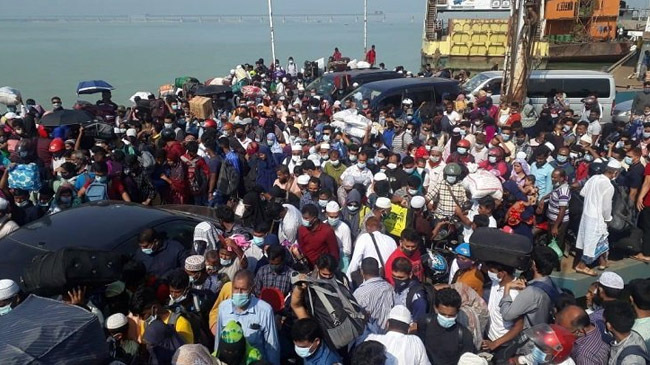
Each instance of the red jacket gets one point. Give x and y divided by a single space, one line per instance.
317 241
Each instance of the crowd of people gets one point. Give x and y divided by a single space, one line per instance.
329 248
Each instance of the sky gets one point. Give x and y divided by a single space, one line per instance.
194 7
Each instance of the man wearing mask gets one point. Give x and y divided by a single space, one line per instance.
449 193
198 276
292 68
314 237
409 292
402 346
403 139
641 100
56 104
409 248
609 288
159 256
444 341
359 171
640 299
461 155
594 129
25 211
589 348
373 244
310 196
276 274
619 320
542 170
342 232
309 344
254 315
468 271
255 251
194 304
10 296
397 178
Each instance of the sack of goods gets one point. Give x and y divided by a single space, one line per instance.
57 272
352 123
495 245
9 96
482 183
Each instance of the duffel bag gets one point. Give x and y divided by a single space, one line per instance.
56 272
492 244
25 177
9 96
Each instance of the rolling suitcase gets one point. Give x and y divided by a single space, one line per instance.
492 244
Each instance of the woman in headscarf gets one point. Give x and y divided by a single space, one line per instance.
520 170
351 212
205 238
162 341
254 209
276 149
179 187
266 168
495 164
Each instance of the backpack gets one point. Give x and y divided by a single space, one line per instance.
336 310
228 181
195 175
146 161
550 290
623 210
632 350
158 108
96 191
429 291
25 177
201 336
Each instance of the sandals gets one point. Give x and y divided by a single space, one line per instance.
645 261
587 271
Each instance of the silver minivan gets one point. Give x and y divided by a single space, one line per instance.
542 84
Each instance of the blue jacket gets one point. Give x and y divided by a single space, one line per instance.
169 256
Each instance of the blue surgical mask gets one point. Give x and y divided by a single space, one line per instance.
561 158
506 137
353 208
258 241
646 134
589 157
333 221
240 300
270 143
326 137
451 179
303 352
225 262
322 203
494 277
462 150
492 159
409 170
6 309
446 322
353 158
539 356
101 179
361 165
147 251
306 223
628 160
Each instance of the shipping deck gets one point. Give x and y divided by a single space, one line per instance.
577 283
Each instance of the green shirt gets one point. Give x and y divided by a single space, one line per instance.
642 327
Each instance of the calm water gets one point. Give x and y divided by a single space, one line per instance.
44 59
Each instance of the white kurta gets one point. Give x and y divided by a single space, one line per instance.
597 210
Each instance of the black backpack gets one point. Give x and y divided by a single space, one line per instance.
336 310
202 334
623 210
430 292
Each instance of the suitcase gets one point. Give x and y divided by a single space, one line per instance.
510 249
56 272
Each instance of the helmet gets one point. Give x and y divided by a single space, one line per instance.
497 152
452 169
463 250
554 340
596 168
56 145
436 263
463 143
210 123
168 134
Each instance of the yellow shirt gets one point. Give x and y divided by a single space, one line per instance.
183 328
225 293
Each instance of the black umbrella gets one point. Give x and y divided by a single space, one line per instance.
213 90
66 117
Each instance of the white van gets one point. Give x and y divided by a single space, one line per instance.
542 84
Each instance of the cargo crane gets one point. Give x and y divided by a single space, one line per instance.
525 20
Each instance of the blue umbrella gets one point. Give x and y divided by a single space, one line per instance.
93 86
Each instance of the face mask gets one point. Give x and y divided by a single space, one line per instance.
413 191
619 144
463 132
494 277
628 160
240 300
65 200
446 322
463 265
477 122
539 356
303 352
22 204
492 159
295 158
151 318
44 204
326 137
177 300
147 251
410 170
401 284
322 203
646 134
361 165
22 154
306 223
225 262
101 179
506 137
270 143
561 158
4 310
391 166
434 158
451 179
353 158
479 146
258 241
462 150
168 125
573 155
324 157
353 208
379 159
589 158
333 221
420 170
566 128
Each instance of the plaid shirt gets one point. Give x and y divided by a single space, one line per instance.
441 193
267 278
144 186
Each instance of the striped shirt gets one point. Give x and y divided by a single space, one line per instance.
559 198
590 349
375 296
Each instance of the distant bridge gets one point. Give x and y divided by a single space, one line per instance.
230 18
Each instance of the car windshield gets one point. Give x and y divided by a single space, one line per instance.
470 85
323 85
363 92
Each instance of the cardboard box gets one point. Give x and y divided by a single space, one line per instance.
201 107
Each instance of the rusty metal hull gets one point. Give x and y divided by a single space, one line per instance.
588 52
